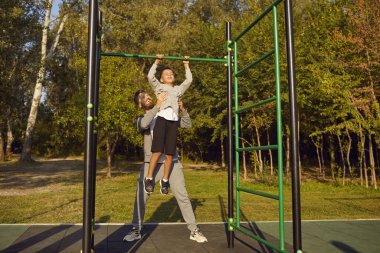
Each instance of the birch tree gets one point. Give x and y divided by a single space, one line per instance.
27 146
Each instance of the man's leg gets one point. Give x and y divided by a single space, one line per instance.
178 186
140 199
140 202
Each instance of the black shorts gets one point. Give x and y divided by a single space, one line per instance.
165 134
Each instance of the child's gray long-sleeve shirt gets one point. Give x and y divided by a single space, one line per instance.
143 125
173 92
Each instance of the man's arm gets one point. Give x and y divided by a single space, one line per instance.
152 72
143 122
185 120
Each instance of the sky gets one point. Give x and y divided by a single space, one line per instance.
55 8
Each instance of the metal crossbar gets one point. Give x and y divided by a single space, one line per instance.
263 194
250 65
262 102
263 14
258 238
257 148
174 58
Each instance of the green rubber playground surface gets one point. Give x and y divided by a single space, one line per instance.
348 236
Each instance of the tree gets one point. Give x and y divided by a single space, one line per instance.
17 52
27 147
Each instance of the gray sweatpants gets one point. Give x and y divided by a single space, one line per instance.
177 186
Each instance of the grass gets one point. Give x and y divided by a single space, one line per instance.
52 192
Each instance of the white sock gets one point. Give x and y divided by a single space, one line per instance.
165 180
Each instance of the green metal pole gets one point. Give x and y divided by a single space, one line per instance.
173 58
236 136
279 126
263 14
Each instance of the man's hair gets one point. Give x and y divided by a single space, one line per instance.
137 97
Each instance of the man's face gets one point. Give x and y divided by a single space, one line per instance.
167 76
146 102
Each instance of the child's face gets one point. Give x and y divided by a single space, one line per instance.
167 77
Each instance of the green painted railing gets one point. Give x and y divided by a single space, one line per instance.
277 99
173 58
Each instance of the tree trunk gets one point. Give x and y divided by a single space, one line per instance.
10 139
109 155
2 157
254 157
222 152
332 157
365 170
287 155
245 174
270 155
348 152
323 160
361 158
259 151
342 158
27 146
318 156
319 161
372 162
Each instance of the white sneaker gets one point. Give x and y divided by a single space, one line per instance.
197 236
133 235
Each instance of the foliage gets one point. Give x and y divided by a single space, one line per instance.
337 67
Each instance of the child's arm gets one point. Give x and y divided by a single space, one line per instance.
185 121
151 74
189 77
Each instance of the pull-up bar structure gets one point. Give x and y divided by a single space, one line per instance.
230 60
173 58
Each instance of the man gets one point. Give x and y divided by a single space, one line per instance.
145 124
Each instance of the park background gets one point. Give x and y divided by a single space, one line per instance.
43 54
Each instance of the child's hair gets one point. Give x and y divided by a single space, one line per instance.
138 96
161 70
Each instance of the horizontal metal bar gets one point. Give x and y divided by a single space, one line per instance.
264 56
174 58
263 14
257 148
263 194
258 238
262 102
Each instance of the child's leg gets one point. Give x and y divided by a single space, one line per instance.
157 144
170 146
152 164
168 165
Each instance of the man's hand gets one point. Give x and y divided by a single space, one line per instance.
161 98
159 58
186 63
180 104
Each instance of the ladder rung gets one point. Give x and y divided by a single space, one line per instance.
264 56
263 194
257 148
258 238
262 102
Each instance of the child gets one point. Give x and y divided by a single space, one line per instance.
166 125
